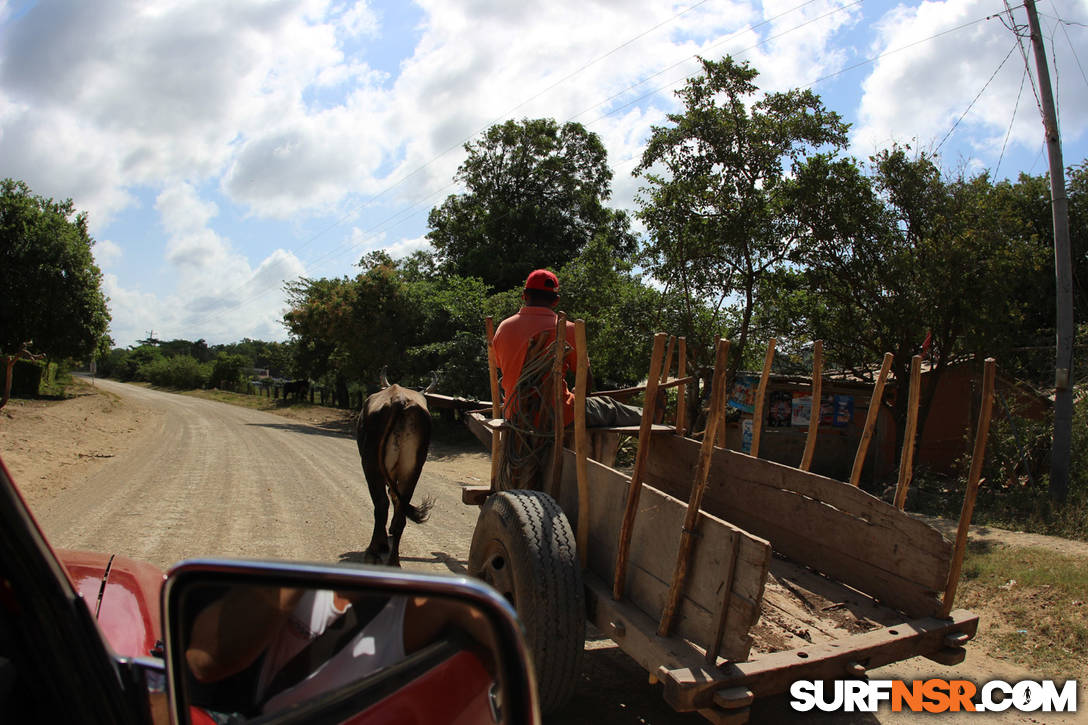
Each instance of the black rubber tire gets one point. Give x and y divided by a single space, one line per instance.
523 546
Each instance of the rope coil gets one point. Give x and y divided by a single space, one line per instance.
529 415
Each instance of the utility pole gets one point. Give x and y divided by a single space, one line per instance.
1063 364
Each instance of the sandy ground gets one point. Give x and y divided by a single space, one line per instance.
57 450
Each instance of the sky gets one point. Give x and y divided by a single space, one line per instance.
223 148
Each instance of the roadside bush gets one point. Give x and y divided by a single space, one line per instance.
133 363
1016 491
229 371
182 372
110 365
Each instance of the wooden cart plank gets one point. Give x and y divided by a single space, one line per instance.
636 633
652 557
862 541
688 688
849 499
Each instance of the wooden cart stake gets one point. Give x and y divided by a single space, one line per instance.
977 458
906 459
635 489
698 486
496 406
870 420
558 402
682 390
667 365
761 392
817 392
581 440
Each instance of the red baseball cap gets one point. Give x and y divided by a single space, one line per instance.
542 279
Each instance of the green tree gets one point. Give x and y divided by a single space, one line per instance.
229 371
535 194
183 372
620 311
52 288
347 330
900 255
716 198
449 339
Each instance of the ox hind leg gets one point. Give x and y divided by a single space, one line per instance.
401 493
378 549
406 458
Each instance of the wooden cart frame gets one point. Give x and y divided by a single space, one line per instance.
728 577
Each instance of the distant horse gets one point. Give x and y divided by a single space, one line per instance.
393 433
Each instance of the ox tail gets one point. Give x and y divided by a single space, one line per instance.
419 514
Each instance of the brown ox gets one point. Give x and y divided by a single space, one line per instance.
393 433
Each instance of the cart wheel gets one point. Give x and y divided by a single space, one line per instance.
523 546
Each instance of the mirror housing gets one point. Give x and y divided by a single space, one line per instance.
495 649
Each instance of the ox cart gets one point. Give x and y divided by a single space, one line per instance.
726 576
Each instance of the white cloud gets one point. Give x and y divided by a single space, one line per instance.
406 247
106 253
217 295
920 90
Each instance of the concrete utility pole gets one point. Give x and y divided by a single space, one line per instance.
1063 365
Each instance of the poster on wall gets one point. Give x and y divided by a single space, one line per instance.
744 393
827 409
801 409
837 410
746 435
844 411
781 409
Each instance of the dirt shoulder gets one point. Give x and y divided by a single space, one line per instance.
49 445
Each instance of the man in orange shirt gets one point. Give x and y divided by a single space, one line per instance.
511 341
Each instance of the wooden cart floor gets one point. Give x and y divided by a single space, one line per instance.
801 607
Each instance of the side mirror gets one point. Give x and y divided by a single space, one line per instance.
283 642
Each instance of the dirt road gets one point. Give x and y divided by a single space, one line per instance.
209 479
180 477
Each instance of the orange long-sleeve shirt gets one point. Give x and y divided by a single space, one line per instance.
511 342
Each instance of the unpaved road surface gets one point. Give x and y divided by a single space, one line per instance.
164 477
210 479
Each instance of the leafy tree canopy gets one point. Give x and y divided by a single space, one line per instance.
52 288
535 194
901 254
716 199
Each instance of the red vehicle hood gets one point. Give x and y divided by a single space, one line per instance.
123 594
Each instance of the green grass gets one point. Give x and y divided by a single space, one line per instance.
1033 605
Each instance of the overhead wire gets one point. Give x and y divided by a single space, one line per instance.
718 44
977 96
1012 120
354 210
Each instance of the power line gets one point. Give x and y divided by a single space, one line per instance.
1008 133
401 215
1072 48
977 96
893 51
1018 31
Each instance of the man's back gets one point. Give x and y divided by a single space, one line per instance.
511 341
